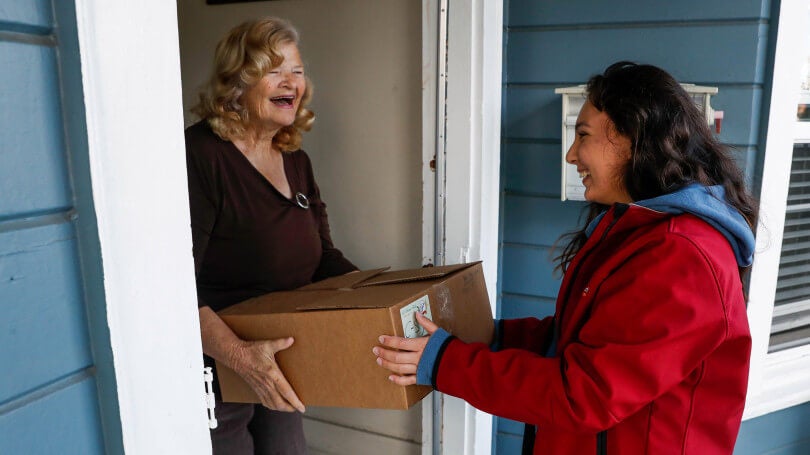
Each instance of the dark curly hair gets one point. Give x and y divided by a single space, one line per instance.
671 143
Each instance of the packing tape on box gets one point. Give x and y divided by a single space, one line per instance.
444 303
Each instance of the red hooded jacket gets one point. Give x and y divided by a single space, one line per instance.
652 348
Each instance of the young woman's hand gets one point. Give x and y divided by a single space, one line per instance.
401 355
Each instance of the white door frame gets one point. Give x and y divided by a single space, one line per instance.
131 76
462 90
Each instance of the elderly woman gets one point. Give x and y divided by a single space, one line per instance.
258 222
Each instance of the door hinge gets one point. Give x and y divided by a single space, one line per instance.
210 401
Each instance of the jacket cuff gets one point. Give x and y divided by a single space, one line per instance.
428 364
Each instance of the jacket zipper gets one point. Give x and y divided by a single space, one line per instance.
601 443
601 437
529 431
618 211
528 439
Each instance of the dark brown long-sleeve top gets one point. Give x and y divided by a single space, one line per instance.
248 238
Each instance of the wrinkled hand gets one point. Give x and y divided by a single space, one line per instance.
257 366
401 355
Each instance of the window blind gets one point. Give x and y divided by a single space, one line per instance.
791 318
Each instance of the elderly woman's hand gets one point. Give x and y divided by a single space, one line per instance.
255 362
404 354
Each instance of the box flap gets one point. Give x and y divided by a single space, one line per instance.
275 302
346 281
338 305
362 298
404 276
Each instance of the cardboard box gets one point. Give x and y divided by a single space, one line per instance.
336 323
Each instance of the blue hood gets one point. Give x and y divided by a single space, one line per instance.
709 204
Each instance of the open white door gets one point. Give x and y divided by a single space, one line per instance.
466 189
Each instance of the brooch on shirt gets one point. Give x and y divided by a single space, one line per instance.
301 200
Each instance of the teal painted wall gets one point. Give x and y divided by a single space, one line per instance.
559 43
53 343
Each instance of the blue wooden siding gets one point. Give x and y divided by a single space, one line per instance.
50 343
557 43
33 177
65 421
26 16
781 433
46 337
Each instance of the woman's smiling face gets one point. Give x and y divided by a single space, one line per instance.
273 101
600 154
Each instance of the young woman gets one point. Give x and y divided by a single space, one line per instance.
649 347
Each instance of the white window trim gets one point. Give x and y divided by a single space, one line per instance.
779 380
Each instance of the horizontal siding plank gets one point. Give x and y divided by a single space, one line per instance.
535 113
17 15
64 422
550 12
774 431
510 427
538 221
516 306
43 311
722 53
742 113
33 162
796 448
532 168
528 271
508 444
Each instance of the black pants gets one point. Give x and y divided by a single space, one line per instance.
252 429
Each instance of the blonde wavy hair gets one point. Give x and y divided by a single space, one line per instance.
241 59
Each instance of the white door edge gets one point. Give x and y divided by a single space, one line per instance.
467 192
132 93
